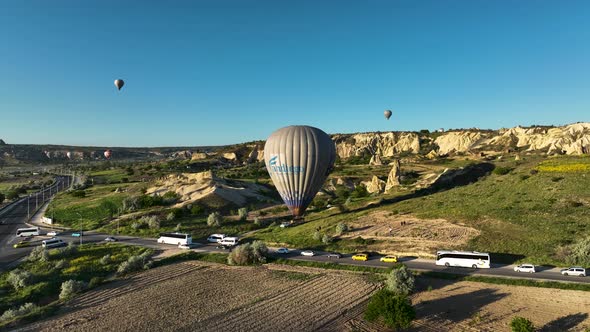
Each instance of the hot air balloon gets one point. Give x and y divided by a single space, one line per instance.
387 114
108 153
298 160
69 155
47 154
119 83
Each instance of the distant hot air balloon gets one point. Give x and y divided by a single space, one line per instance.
299 159
69 155
119 83
387 114
108 153
47 153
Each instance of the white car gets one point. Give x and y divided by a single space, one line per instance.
215 238
282 251
285 224
530 268
52 233
574 271
307 253
110 239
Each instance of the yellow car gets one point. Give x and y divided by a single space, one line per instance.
389 259
360 257
21 244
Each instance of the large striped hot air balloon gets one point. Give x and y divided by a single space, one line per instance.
299 159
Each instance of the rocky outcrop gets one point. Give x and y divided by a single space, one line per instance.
199 156
393 179
376 185
387 144
204 186
186 154
375 160
230 156
458 142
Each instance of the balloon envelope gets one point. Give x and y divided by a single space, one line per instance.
119 84
69 155
298 160
108 153
387 114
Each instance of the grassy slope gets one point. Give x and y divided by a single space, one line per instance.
518 213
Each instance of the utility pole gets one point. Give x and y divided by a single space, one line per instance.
28 208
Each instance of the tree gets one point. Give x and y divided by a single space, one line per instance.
341 228
248 254
12 195
400 281
214 219
327 239
521 324
580 253
243 213
396 310
70 288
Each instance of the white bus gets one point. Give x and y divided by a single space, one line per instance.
34 231
52 243
474 259
175 238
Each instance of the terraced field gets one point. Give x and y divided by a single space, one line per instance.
198 296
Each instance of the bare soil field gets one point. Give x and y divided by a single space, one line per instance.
197 296
423 236
472 306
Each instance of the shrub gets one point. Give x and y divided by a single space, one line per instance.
78 193
38 254
502 170
11 195
196 210
248 254
243 213
257 221
19 279
400 281
521 324
214 219
131 204
580 253
24 309
178 227
396 311
170 216
135 263
136 225
69 288
68 250
341 228
2 198
170 197
106 259
152 221
60 264
95 281
327 239
317 236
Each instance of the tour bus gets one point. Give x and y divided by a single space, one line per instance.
21 232
52 243
175 238
474 259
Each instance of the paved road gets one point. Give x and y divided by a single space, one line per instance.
15 216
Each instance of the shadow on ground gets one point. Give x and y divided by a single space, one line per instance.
564 323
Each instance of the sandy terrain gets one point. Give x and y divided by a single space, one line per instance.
194 296
417 237
471 306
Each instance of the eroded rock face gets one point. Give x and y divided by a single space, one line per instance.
375 160
376 185
199 156
458 141
393 179
384 144
194 187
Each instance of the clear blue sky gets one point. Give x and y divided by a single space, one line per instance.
219 72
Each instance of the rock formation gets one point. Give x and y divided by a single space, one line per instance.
376 185
393 179
375 160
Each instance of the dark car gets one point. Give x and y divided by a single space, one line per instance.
333 255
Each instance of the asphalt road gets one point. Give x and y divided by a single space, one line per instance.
15 215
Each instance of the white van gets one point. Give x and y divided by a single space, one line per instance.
215 238
229 241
